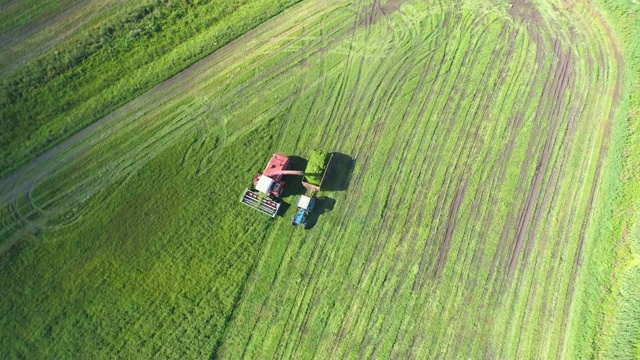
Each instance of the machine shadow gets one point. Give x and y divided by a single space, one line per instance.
323 206
284 207
294 182
339 172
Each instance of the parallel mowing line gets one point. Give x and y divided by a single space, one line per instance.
529 209
600 163
525 296
434 114
478 101
451 125
317 286
315 109
399 189
418 179
376 238
566 114
391 95
413 208
558 262
554 252
544 273
495 287
486 196
438 151
356 122
422 173
423 79
531 293
358 80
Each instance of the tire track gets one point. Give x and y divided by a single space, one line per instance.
463 186
480 112
556 90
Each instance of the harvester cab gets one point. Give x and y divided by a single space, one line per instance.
270 181
267 185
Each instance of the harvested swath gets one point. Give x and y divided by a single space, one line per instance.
316 167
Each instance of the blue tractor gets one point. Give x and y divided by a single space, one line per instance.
305 206
313 178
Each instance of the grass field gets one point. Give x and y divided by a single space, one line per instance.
110 59
609 298
483 143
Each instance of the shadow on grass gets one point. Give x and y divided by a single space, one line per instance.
339 172
293 184
284 207
323 206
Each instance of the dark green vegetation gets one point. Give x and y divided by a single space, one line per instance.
82 80
493 147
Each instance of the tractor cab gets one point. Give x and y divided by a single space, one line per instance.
305 206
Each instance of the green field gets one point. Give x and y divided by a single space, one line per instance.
112 58
483 201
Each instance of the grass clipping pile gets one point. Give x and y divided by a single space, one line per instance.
316 167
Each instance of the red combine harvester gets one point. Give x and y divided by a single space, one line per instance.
268 184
